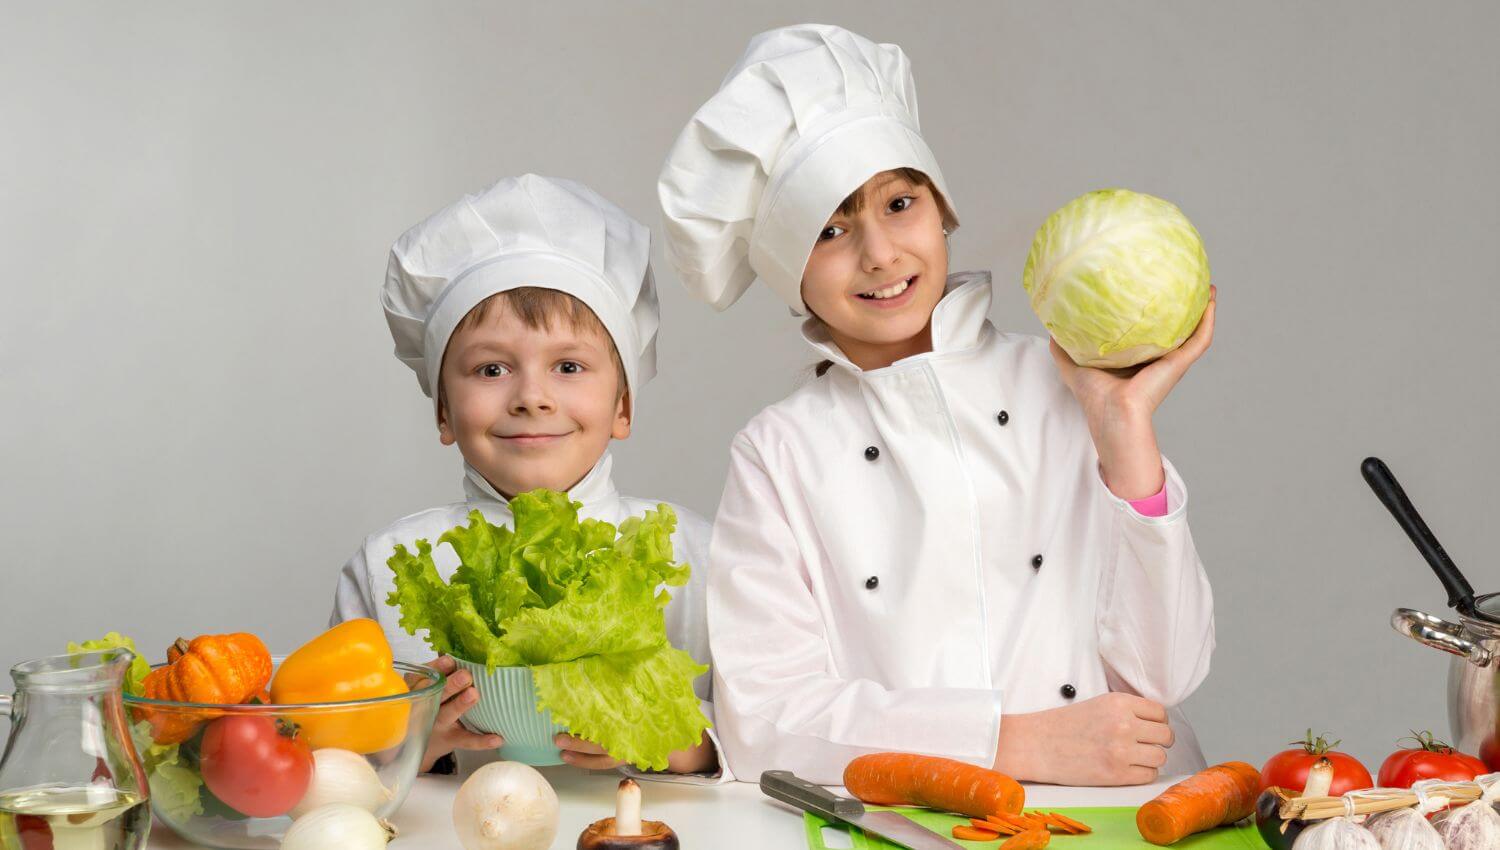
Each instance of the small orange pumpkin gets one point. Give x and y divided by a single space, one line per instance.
222 669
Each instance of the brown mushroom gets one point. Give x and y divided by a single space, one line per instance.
626 830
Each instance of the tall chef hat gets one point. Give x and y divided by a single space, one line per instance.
522 231
807 116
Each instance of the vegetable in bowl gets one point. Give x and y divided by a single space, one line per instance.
578 601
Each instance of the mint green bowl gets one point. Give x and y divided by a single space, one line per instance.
507 707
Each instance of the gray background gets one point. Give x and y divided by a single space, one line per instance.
200 417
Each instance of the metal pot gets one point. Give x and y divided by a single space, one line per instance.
1473 676
1473 641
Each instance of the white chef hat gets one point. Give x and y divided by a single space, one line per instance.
807 116
522 231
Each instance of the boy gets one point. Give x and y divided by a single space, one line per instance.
528 311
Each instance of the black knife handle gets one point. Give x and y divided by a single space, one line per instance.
784 785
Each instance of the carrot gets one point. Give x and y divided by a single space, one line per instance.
1021 822
1031 839
1221 794
1005 826
981 823
901 779
1074 827
971 833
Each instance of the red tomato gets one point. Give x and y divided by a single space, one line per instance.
255 769
1430 759
1289 768
1489 752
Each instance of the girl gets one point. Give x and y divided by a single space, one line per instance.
952 541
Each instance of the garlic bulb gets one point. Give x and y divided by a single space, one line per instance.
1336 834
340 776
340 825
1475 826
505 805
1404 829
1471 827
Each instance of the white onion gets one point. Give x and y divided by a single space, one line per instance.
340 776
339 825
505 806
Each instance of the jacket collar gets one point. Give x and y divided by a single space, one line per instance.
597 489
958 322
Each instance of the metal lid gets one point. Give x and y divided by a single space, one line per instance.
1487 608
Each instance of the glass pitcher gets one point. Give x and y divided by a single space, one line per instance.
70 778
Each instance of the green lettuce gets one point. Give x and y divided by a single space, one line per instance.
578 601
174 785
135 677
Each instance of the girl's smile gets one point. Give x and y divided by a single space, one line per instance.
896 295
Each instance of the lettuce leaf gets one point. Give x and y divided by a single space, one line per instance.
174 784
135 676
579 601
642 702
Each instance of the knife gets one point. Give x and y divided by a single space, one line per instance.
783 785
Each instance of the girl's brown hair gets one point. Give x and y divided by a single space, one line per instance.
859 197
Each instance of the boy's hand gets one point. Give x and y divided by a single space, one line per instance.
591 756
585 754
1113 739
447 733
1119 405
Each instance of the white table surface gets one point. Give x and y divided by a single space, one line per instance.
733 816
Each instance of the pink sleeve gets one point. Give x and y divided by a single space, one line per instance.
1152 506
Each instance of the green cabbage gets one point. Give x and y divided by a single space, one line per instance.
1117 277
578 602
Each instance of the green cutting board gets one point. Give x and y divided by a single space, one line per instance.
1114 829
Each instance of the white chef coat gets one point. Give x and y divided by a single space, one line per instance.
904 554
366 580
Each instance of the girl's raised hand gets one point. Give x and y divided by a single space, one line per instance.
1119 405
1140 389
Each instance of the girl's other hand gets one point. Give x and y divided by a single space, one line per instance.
447 733
1113 739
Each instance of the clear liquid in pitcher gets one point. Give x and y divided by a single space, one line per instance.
72 818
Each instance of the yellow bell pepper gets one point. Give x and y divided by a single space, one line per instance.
348 662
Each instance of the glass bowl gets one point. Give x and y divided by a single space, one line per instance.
388 732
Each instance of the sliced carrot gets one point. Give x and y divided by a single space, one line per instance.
1024 822
1031 839
980 823
969 833
1074 827
1004 827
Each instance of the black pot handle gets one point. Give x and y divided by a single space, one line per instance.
1380 479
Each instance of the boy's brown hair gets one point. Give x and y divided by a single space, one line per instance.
538 308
